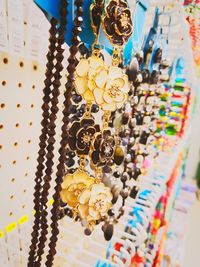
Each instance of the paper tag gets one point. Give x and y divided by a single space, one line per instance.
26 10
3 27
35 34
1 234
51 201
16 26
23 219
10 227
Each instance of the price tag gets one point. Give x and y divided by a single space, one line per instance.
51 201
10 227
1 234
23 219
3 27
15 27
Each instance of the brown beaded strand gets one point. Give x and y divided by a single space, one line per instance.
64 138
52 125
43 137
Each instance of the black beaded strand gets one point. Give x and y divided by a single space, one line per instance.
52 125
43 138
64 138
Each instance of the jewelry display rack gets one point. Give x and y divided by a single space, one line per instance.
23 46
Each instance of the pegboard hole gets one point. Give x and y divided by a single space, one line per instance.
15 144
18 105
27 158
3 105
32 105
35 67
33 86
11 197
30 123
14 162
5 60
26 174
1 147
1 126
29 141
24 190
17 125
10 214
19 85
13 180
21 64
3 83
23 206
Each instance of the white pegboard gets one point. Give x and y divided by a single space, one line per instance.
21 97
21 92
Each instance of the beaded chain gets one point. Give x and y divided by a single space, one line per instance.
43 138
52 125
47 140
64 137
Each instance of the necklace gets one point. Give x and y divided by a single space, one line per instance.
46 139
64 136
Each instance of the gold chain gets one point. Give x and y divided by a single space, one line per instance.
98 175
82 162
88 110
116 56
106 118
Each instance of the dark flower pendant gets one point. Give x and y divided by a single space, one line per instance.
105 150
81 135
117 22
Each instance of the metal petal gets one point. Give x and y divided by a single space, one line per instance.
120 97
94 213
98 95
101 78
91 84
95 62
81 85
82 68
85 196
67 180
115 72
81 177
88 96
74 128
107 98
83 211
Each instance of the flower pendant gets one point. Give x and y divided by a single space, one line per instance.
107 86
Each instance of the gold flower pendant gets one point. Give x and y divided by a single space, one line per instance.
94 203
87 198
107 86
73 185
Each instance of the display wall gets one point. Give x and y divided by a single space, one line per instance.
143 235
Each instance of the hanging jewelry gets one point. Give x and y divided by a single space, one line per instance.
47 140
55 211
